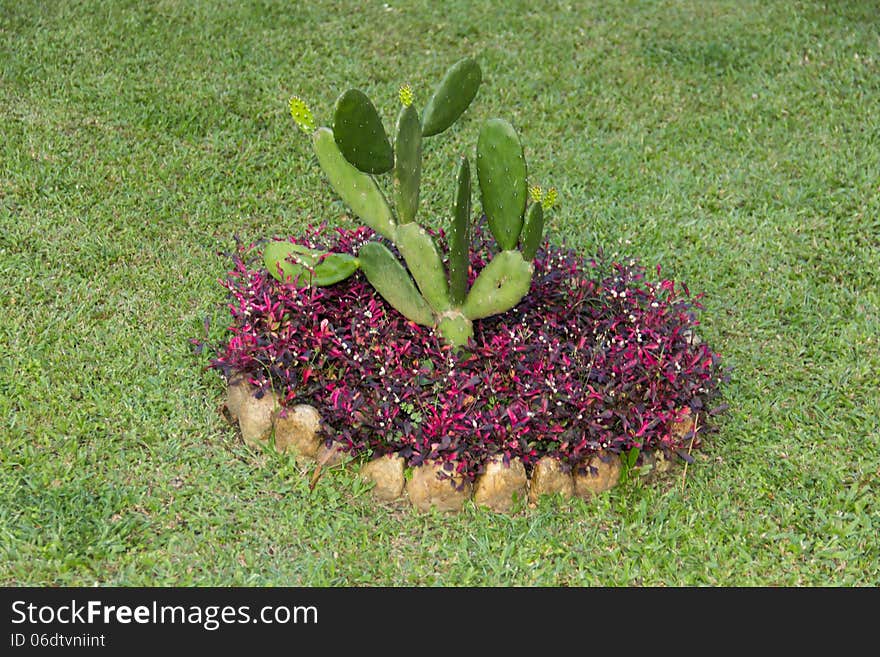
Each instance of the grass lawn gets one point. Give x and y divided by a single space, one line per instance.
736 143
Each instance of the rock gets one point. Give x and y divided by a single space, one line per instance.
237 392
255 417
427 490
548 478
691 337
656 462
386 472
602 472
681 428
663 461
297 430
646 462
499 483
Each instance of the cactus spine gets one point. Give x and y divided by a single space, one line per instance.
357 149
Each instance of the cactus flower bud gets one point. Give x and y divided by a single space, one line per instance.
302 115
406 95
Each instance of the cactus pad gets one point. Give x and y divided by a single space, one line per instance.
500 286
389 277
357 189
501 169
425 264
455 328
451 98
532 231
407 164
359 133
459 235
288 261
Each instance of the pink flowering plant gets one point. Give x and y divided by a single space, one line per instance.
461 346
595 358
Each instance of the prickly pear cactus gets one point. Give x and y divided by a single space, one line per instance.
408 163
359 133
357 149
460 235
501 169
452 97
293 262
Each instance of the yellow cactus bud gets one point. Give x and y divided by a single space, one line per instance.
302 115
406 95
549 198
536 193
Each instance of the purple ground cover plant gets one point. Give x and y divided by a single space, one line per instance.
595 358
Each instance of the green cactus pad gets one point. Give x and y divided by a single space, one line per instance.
407 164
501 169
500 286
391 280
459 235
357 189
275 256
451 98
455 328
359 133
425 264
532 231
308 265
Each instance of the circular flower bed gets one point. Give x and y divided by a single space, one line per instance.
595 360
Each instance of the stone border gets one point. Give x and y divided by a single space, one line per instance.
297 430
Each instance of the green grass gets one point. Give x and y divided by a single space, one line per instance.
735 143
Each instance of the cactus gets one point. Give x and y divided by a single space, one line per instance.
356 188
452 97
357 149
459 235
500 286
425 264
359 134
408 163
501 169
288 261
532 231
302 115
390 279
